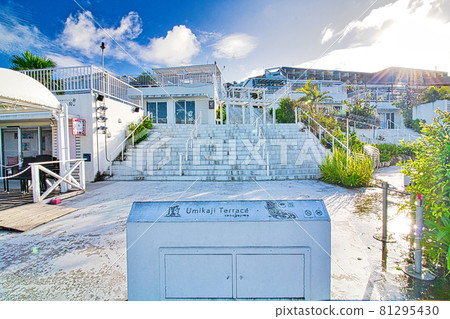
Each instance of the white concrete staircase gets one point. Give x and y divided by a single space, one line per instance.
223 153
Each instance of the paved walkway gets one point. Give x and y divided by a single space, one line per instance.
82 256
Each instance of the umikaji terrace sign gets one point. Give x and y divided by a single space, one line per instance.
245 249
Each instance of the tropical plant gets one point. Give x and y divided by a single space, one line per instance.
430 176
145 78
313 96
362 110
29 61
356 172
285 113
140 129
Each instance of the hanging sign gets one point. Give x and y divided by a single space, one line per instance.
78 127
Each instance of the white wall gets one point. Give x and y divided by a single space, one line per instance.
119 116
427 111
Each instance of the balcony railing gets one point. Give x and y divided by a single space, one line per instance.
186 79
83 79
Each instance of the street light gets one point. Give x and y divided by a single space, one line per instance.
103 47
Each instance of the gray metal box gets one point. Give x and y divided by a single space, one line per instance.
246 250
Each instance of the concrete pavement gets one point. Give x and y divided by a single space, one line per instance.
82 256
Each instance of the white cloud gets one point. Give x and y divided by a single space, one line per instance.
327 34
81 33
64 61
179 46
236 46
403 33
16 37
253 73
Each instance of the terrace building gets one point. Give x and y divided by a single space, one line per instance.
181 95
381 89
100 107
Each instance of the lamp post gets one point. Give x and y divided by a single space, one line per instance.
103 47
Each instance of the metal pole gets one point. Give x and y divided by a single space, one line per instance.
347 142
419 236
296 115
385 186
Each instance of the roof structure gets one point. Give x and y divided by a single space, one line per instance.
204 68
20 92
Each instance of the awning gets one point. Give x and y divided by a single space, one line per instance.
21 92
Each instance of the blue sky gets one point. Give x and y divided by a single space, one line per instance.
244 37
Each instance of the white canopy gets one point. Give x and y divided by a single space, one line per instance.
20 90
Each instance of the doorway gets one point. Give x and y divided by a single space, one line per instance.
158 111
185 112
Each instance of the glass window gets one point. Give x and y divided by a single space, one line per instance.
151 110
162 112
190 112
180 112
158 110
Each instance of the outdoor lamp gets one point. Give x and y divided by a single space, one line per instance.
100 97
135 109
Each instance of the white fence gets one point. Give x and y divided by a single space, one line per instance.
67 180
85 79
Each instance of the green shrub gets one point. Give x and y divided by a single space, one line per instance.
335 171
388 151
416 125
140 132
285 113
430 177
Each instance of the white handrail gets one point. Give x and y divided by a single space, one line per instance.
128 136
324 130
192 134
87 79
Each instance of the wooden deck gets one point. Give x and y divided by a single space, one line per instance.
29 216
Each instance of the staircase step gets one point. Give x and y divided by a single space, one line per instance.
222 154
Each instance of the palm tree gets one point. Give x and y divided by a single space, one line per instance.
29 61
313 96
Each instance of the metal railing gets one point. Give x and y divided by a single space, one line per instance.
321 130
83 79
185 78
192 135
122 144
67 178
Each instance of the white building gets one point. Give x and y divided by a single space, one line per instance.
181 95
100 108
